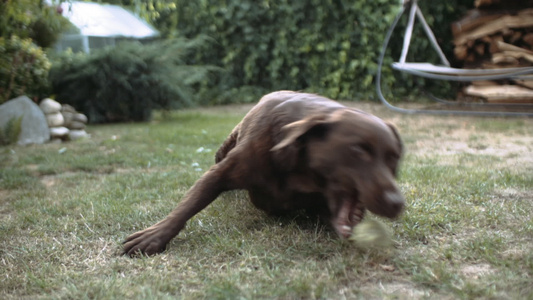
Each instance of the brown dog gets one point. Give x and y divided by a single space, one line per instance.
296 151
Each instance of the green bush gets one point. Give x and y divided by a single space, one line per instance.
23 69
11 131
324 46
32 19
47 28
127 82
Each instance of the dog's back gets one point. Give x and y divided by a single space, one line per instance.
263 123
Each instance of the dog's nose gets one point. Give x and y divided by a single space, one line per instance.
396 202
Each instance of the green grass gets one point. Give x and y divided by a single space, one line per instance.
65 208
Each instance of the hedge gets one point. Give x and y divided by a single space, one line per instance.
23 69
325 46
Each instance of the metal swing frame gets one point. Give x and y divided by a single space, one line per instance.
444 71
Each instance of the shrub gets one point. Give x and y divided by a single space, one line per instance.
330 47
127 82
32 19
9 134
47 28
23 69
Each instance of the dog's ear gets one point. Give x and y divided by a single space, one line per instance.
286 152
397 135
291 132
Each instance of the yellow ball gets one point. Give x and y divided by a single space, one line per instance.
371 233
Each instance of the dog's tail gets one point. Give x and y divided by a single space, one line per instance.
228 144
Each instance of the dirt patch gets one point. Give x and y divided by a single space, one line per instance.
3 196
476 271
397 290
519 251
512 194
403 290
49 180
513 151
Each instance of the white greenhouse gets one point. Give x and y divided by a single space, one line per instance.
101 25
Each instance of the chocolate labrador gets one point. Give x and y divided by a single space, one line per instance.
296 151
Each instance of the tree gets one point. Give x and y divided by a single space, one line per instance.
149 10
31 19
26 26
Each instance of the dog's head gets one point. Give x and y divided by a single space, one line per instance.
356 157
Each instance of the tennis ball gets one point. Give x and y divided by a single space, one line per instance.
371 233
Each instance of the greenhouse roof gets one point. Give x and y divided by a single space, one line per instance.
105 20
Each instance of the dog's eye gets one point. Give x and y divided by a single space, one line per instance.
393 157
361 149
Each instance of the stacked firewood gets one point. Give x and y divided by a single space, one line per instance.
497 34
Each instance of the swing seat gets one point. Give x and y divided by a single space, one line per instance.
423 68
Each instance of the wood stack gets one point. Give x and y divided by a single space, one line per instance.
497 34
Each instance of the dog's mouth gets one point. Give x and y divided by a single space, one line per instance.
350 213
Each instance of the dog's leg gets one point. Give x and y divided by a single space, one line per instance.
155 238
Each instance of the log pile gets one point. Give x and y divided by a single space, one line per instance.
497 34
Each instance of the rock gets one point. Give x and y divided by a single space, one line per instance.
78 134
49 106
34 129
55 119
68 116
76 125
71 115
80 118
58 132
68 108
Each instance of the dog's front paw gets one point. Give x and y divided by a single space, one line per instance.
148 242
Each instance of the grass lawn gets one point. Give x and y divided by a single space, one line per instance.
65 208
